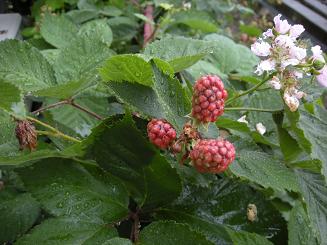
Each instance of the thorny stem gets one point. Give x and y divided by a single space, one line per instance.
247 91
249 109
68 102
55 132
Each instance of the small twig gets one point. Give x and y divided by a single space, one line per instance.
247 91
63 102
55 132
250 109
72 103
68 102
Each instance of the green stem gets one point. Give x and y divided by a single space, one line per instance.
59 135
42 124
55 132
250 109
247 91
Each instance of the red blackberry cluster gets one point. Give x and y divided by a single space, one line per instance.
161 133
208 99
212 156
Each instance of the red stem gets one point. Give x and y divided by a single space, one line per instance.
148 27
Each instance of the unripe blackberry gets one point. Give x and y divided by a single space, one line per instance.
212 156
161 133
208 99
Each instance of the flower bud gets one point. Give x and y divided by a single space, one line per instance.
318 65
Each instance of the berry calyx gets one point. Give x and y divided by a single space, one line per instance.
208 99
161 133
26 135
212 156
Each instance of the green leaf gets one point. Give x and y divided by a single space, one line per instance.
265 170
97 29
51 55
8 142
82 15
124 28
171 233
18 214
118 241
80 60
120 148
314 191
213 210
268 99
68 231
58 30
10 96
64 91
180 52
247 60
24 66
229 56
166 99
18 159
195 19
65 188
251 30
245 238
225 53
227 123
314 127
204 67
288 145
127 67
299 227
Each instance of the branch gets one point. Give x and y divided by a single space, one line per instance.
68 102
250 109
50 106
72 103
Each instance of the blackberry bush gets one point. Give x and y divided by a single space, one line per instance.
76 165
